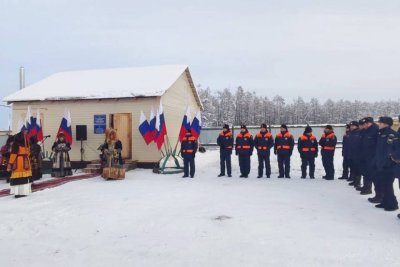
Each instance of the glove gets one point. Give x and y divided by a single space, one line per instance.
275 152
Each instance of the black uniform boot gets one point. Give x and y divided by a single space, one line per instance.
366 191
259 176
221 174
398 216
376 199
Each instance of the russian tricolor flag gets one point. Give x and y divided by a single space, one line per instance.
30 123
161 128
185 124
144 129
65 126
152 124
196 125
39 131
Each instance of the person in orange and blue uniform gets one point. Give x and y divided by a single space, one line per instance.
263 142
284 144
328 145
188 151
225 143
308 149
244 149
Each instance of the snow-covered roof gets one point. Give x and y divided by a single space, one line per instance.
104 83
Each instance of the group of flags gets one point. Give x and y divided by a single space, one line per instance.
155 130
32 125
194 126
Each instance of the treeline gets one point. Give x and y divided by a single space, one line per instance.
244 107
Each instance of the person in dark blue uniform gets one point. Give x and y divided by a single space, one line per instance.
345 155
396 160
188 151
354 144
368 149
363 163
244 149
328 145
263 142
284 144
307 146
225 143
387 145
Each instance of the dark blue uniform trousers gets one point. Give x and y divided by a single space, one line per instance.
386 178
188 163
284 165
244 164
225 160
263 159
327 162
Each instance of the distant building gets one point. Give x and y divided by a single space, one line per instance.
109 98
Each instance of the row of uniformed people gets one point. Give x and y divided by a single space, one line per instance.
371 154
282 145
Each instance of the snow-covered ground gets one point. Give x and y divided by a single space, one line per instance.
164 220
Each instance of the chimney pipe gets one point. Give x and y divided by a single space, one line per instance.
21 77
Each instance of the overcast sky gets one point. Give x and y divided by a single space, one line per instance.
327 49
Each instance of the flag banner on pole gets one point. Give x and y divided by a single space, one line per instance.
185 124
196 125
152 124
39 131
144 128
160 127
65 126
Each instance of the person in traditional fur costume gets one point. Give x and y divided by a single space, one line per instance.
61 161
20 167
36 158
112 150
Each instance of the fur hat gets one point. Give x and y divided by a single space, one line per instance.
243 126
263 125
329 127
284 126
386 120
226 126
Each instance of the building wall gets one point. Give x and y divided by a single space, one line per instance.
82 113
175 101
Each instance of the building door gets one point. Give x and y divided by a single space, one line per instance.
122 123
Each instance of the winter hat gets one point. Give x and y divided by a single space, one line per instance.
226 126
243 127
354 123
308 129
386 120
368 120
347 126
263 125
329 127
361 122
284 126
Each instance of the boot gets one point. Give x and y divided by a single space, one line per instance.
376 199
391 208
259 176
398 216
221 174
366 191
280 176
358 188
268 176
343 178
229 175
380 206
